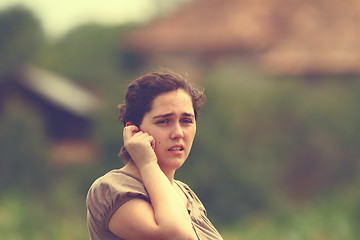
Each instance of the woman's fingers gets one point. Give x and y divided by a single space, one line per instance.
140 145
134 135
129 131
152 142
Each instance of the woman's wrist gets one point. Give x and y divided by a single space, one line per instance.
149 166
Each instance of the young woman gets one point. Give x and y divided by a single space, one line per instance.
142 200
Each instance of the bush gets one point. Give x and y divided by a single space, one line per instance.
262 140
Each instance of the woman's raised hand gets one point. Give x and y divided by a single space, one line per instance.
140 145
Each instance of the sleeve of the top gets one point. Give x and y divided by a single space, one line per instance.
110 192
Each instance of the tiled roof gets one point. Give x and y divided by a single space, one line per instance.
59 91
283 36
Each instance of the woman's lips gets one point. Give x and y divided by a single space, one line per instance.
176 148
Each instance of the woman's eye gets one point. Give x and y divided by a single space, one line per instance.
163 121
187 121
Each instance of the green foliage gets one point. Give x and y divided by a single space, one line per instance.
23 147
90 55
38 217
261 140
21 36
334 218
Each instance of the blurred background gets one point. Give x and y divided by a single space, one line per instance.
277 150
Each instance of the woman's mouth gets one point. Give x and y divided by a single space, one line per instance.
176 148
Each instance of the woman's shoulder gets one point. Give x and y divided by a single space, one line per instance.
111 191
107 194
116 186
118 181
118 176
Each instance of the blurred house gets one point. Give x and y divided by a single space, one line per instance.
66 108
282 37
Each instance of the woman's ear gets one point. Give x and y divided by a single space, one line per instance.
129 124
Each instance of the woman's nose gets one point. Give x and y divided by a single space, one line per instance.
177 132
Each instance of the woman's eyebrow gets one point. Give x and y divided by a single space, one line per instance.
163 115
171 114
188 115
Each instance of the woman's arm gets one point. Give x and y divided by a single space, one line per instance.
166 217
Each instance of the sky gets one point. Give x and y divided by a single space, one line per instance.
60 16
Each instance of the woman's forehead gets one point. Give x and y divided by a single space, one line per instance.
177 100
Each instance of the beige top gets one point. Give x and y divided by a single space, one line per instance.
116 187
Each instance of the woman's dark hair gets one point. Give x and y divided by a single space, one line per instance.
142 91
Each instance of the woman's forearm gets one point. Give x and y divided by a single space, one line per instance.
170 212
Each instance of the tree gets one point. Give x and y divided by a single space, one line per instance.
23 147
21 35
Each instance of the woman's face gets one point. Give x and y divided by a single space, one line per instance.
171 122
